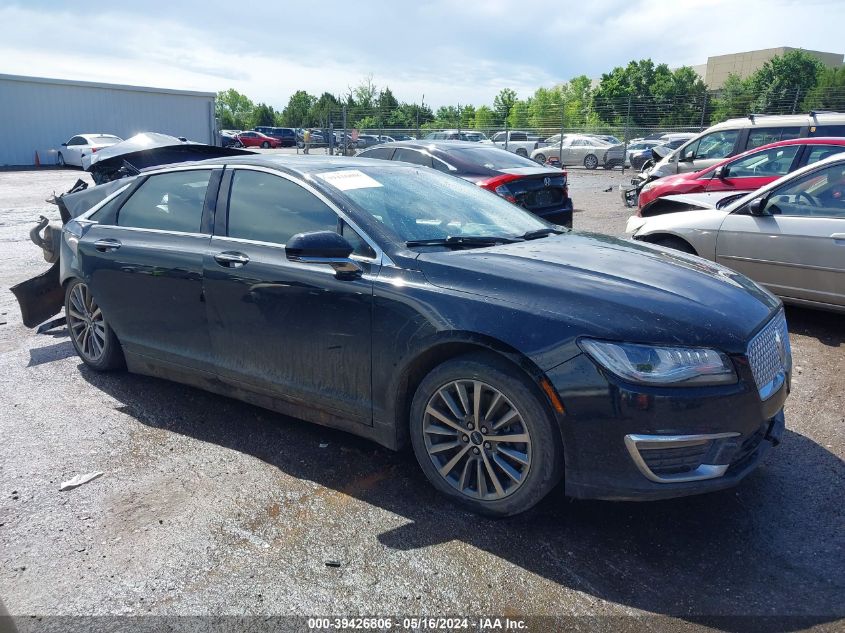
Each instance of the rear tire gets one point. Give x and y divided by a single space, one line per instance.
92 337
453 422
591 161
522 152
675 243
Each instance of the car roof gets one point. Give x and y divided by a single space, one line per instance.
299 164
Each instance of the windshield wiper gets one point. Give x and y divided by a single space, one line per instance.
533 235
464 240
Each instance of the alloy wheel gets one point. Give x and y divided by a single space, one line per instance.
477 440
86 324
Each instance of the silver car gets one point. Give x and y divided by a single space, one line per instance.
577 149
789 235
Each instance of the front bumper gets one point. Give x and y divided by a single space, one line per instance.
632 442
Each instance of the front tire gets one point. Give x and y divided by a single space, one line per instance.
90 333
591 161
265 145
522 152
61 160
540 158
484 437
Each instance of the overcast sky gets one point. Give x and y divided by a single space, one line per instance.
449 50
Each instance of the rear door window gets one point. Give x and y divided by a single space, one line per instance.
828 130
764 136
412 156
383 153
774 162
269 208
816 153
167 202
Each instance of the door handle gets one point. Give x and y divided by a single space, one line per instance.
107 245
837 236
231 259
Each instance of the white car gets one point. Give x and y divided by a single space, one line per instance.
788 236
81 145
576 149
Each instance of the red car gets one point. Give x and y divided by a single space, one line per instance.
257 139
746 172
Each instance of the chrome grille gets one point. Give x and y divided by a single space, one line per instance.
770 356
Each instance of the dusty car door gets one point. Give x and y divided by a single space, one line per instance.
72 151
144 266
281 328
797 246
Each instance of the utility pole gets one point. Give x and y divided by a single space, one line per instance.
560 146
345 142
703 111
627 128
795 102
459 121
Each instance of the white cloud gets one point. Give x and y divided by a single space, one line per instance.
450 51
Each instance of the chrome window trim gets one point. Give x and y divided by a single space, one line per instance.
156 231
637 442
381 257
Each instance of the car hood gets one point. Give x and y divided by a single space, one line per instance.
609 288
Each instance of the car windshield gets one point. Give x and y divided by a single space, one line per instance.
106 138
423 204
491 158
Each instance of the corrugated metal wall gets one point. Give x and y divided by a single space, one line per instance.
38 115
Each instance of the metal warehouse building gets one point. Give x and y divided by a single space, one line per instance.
37 115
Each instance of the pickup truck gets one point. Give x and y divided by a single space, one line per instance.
517 142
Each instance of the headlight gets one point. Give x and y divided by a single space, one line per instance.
657 365
651 184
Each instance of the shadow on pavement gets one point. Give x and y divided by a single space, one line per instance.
827 327
773 546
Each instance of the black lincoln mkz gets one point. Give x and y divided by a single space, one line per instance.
408 306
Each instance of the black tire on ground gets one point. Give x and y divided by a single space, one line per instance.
522 152
676 243
545 452
265 145
540 158
591 161
60 160
110 354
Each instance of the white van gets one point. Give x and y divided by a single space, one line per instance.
735 136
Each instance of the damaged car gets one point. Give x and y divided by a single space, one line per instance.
414 308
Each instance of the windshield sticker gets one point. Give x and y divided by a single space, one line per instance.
349 179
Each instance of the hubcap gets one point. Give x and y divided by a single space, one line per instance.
85 320
487 463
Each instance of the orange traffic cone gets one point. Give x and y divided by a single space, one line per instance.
37 160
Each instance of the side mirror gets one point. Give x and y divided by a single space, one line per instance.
757 207
721 172
324 247
64 144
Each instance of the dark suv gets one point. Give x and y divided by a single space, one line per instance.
285 134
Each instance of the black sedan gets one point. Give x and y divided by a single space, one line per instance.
542 190
411 307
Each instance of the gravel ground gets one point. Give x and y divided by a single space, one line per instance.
210 506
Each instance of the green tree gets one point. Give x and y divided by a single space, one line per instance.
297 113
484 118
503 102
233 110
325 110
734 99
783 80
520 114
263 115
829 92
